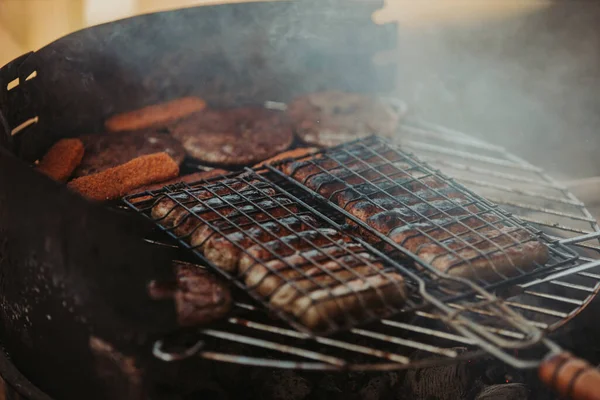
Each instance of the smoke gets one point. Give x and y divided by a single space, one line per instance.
528 82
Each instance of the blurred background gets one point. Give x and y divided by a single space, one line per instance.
524 74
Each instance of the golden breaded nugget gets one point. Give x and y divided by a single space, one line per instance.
118 181
62 159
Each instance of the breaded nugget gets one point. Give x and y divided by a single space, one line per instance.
62 159
118 181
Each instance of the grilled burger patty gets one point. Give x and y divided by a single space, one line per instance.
237 136
331 118
104 151
199 296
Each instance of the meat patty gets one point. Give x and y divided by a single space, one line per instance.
200 298
237 136
104 151
224 251
331 118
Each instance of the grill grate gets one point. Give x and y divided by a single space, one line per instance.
546 304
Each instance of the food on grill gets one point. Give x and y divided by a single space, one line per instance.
489 256
297 154
417 210
103 151
269 242
287 245
225 251
227 219
267 278
412 235
358 298
387 213
116 182
157 115
190 178
199 296
62 159
229 192
332 118
237 136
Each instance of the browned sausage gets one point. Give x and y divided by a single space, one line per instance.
287 245
167 210
224 251
265 279
355 298
283 296
201 235
186 222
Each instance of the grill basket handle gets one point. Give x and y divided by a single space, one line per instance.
572 377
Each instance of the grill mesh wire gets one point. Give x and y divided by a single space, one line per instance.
208 211
276 349
460 226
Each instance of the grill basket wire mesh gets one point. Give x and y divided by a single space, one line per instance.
251 209
474 317
252 338
383 172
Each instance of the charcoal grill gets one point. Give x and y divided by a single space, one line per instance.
497 324
76 331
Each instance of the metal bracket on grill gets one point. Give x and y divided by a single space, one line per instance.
170 356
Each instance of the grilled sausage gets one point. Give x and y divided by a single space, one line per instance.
167 210
327 183
383 215
224 251
303 257
301 170
501 251
201 235
187 222
287 245
283 296
355 298
495 266
266 278
396 188
412 235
